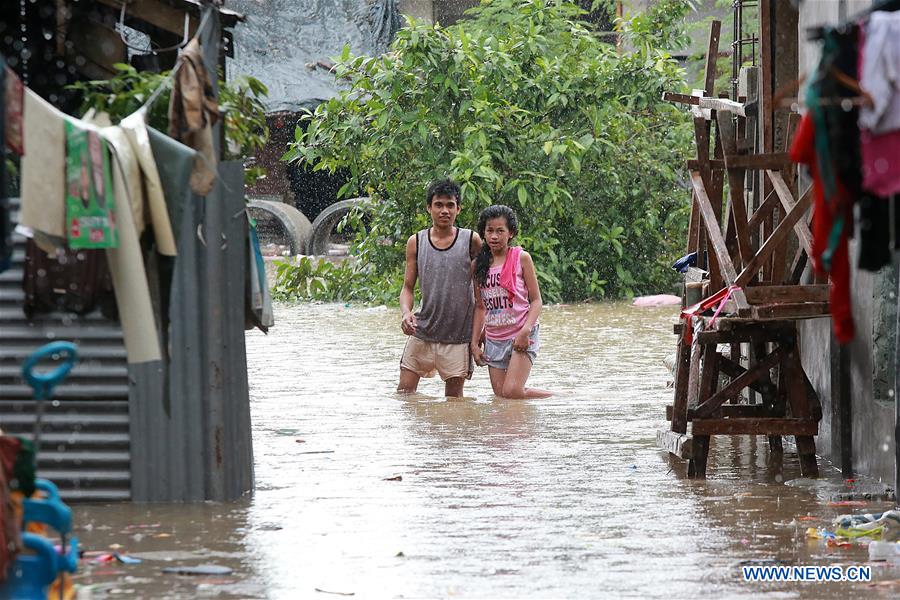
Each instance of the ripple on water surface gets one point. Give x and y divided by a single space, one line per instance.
360 490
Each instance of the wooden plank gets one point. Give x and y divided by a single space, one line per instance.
787 201
726 410
675 443
712 55
754 426
769 294
714 164
764 210
734 370
737 201
774 161
157 14
709 372
804 310
778 237
682 374
697 464
723 104
681 98
738 384
717 241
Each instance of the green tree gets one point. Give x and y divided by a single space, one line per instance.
523 105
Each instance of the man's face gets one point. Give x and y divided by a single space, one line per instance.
443 210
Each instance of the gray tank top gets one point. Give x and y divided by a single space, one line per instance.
446 283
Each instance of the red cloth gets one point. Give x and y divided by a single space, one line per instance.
15 112
509 270
824 213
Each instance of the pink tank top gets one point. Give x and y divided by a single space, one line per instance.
502 319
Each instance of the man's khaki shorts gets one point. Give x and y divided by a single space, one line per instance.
427 358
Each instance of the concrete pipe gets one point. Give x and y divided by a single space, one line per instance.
281 225
321 241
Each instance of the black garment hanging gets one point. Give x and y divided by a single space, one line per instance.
6 245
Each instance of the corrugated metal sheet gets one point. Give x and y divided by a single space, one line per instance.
201 448
84 442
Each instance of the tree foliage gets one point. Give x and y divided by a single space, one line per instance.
523 105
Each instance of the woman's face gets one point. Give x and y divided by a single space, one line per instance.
497 233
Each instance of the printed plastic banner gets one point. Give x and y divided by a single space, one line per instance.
90 203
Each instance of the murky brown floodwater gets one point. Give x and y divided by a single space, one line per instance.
565 497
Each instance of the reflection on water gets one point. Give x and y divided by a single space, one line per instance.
362 491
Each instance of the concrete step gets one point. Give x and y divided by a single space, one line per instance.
86 407
80 495
18 351
48 332
63 392
86 478
14 315
65 422
112 373
83 459
80 440
14 274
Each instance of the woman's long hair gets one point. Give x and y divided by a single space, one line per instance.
483 259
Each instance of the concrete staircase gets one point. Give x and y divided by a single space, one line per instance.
85 446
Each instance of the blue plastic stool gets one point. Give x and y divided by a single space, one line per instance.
32 574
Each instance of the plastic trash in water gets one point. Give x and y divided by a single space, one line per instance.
889 551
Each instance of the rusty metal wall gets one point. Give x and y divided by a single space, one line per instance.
194 443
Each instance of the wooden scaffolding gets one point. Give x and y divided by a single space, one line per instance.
739 372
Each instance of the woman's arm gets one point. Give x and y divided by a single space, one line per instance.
477 324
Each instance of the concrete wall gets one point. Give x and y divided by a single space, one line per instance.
872 419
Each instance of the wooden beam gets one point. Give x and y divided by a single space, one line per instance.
158 14
718 242
763 211
754 426
768 294
734 370
712 55
714 164
732 389
802 310
737 201
787 201
727 410
778 237
675 443
774 161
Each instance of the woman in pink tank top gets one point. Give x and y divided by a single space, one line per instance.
507 306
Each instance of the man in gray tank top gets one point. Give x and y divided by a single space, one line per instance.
440 258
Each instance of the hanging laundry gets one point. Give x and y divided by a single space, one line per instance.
193 111
14 97
126 262
880 73
6 244
135 127
90 220
259 304
826 211
44 172
174 163
874 225
72 281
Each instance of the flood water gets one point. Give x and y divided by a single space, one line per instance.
363 492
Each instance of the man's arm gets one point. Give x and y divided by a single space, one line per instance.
407 294
475 246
